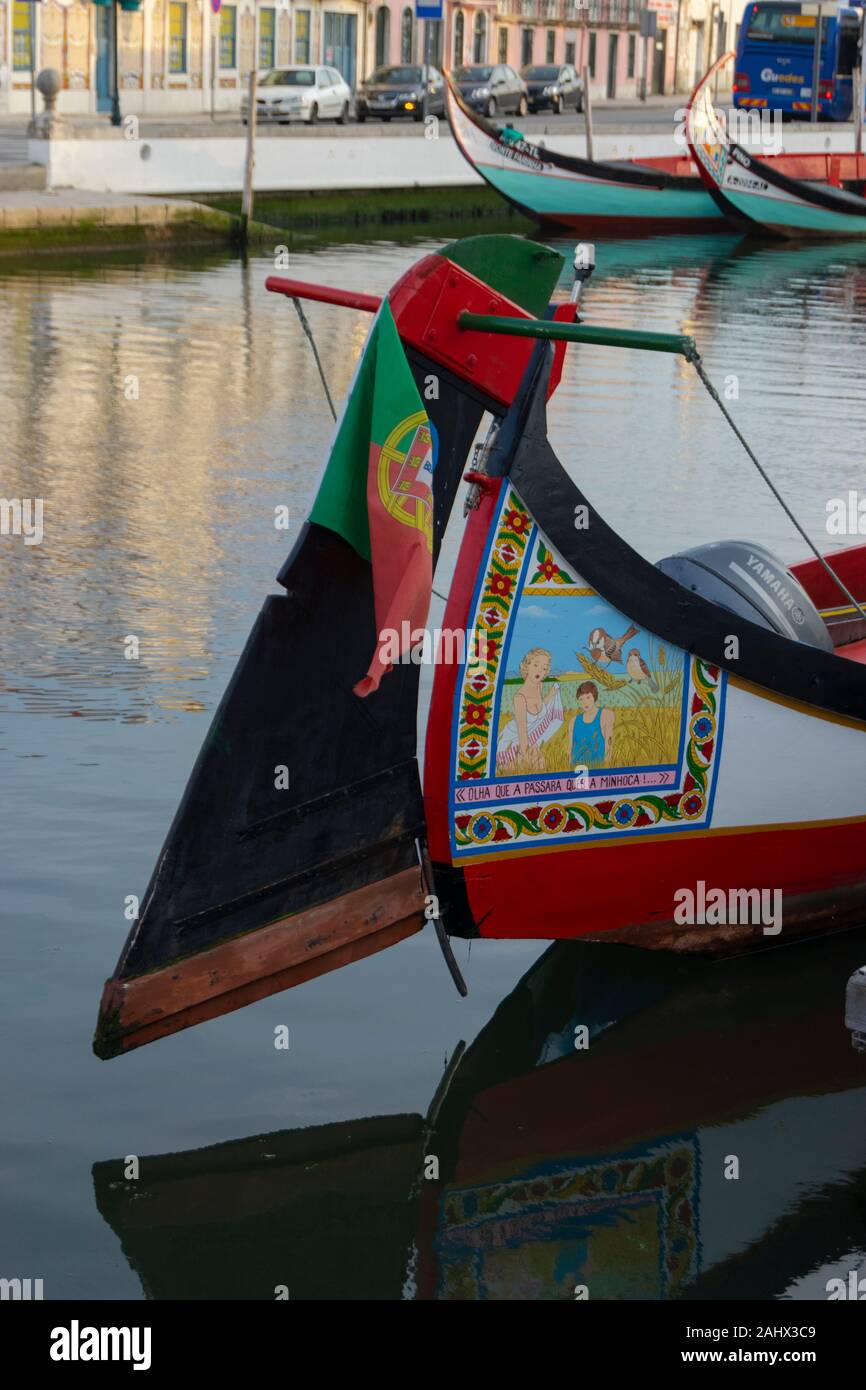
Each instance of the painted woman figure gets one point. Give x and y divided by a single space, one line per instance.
591 729
536 717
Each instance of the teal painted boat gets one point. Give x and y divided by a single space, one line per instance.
758 195
619 198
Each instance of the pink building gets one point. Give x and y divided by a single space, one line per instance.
601 34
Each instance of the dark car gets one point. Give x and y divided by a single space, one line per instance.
399 91
491 89
551 86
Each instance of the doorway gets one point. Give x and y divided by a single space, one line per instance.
338 46
660 58
104 54
612 47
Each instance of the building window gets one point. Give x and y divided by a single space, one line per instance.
503 45
228 36
407 36
551 44
592 43
459 26
526 37
434 42
569 52
479 41
267 36
177 36
21 36
302 36
632 48
383 35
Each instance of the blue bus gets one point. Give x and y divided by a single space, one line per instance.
775 55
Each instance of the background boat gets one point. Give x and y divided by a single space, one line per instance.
594 198
767 196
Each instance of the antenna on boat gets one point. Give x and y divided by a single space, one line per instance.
584 265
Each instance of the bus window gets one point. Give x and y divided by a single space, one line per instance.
849 39
783 23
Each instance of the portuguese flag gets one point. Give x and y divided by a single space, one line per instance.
377 492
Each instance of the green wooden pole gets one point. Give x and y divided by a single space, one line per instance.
580 333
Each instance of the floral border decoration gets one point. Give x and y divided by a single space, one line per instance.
503 825
491 620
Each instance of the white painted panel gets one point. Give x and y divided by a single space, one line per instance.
779 765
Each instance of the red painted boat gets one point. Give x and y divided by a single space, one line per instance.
668 755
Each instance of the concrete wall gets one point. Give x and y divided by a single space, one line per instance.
319 161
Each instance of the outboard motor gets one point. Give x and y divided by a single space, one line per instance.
747 580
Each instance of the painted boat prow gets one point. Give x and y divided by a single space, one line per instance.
759 195
298 845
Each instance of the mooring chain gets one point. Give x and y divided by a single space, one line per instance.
695 358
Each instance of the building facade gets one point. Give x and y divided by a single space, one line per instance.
182 56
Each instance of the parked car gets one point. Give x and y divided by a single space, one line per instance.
492 89
301 93
551 86
399 91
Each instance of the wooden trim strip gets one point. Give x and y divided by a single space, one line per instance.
142 1008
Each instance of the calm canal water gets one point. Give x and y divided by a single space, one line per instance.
162 411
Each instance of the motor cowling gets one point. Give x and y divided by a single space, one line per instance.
747 580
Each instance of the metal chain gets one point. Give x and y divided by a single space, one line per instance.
698 365
309 332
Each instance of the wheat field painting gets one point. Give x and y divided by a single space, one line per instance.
584 687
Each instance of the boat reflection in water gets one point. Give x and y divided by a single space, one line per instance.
708 1142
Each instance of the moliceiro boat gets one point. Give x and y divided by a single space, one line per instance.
765 196
616 732
617 198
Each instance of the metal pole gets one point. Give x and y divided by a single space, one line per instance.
557 331
816 68
213 65
425 74
587 112
247 204
115 94
32 60
859 87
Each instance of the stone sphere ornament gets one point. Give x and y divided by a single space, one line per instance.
49 83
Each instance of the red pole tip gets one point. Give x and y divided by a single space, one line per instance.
325 294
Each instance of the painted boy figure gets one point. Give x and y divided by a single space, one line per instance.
590 729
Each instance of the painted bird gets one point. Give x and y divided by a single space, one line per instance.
604 649
638 669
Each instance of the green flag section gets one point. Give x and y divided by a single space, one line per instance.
383 394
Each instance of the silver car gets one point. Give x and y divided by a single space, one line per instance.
301 93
